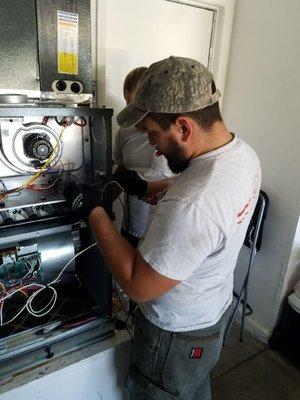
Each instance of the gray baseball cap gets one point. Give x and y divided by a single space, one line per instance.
173 85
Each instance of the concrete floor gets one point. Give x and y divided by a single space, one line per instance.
245 371
251 371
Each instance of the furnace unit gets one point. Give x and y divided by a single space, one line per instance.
55 290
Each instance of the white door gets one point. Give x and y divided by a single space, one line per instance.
137 33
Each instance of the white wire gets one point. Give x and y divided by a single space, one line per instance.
69 262
25 276
110 182
8 295
49 306
14 317
20 311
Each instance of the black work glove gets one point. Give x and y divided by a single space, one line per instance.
82 199
131 183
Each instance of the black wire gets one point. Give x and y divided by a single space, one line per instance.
127 313
58 122
4 186
83 122
128 213
126 217
127 329
124 212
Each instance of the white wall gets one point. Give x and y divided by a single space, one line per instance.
262 106
131 33
140 32
292 275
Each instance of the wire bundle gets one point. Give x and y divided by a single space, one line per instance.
40 287
32 289
64 123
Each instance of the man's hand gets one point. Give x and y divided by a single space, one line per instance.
131 183
82 199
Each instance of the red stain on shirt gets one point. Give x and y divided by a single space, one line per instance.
245 210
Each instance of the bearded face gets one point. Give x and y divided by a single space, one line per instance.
177 161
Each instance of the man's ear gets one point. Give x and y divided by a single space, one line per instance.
185 126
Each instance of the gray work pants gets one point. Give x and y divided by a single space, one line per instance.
168 365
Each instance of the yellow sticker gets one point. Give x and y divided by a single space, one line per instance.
67 43
68 63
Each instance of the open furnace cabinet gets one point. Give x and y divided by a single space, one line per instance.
43 312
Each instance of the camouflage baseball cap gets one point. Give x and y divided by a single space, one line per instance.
173 85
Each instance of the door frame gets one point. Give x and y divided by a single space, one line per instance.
223 11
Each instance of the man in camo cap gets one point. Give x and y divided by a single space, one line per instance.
182 275
173 85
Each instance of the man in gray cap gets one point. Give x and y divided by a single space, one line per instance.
182 275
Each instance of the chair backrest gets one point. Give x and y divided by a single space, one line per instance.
253 238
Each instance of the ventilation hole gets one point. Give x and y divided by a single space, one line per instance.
193 66
166 72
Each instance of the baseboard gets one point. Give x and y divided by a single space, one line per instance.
255 328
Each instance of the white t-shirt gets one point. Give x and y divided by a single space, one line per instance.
196 233
132 149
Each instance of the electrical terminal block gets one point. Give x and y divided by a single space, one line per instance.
16 269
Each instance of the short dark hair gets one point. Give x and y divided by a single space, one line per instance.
132 79
205 117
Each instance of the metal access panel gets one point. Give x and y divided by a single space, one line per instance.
64 40
46 251
18 46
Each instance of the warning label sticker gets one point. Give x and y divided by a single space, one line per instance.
67 42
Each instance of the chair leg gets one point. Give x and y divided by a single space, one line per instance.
245 299
247 285
231 318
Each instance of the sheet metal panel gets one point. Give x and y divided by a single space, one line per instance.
47 41
18 45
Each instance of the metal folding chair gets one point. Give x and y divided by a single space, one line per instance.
252 240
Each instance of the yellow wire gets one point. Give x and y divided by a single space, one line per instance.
22 291
50 159
3 291
39 173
